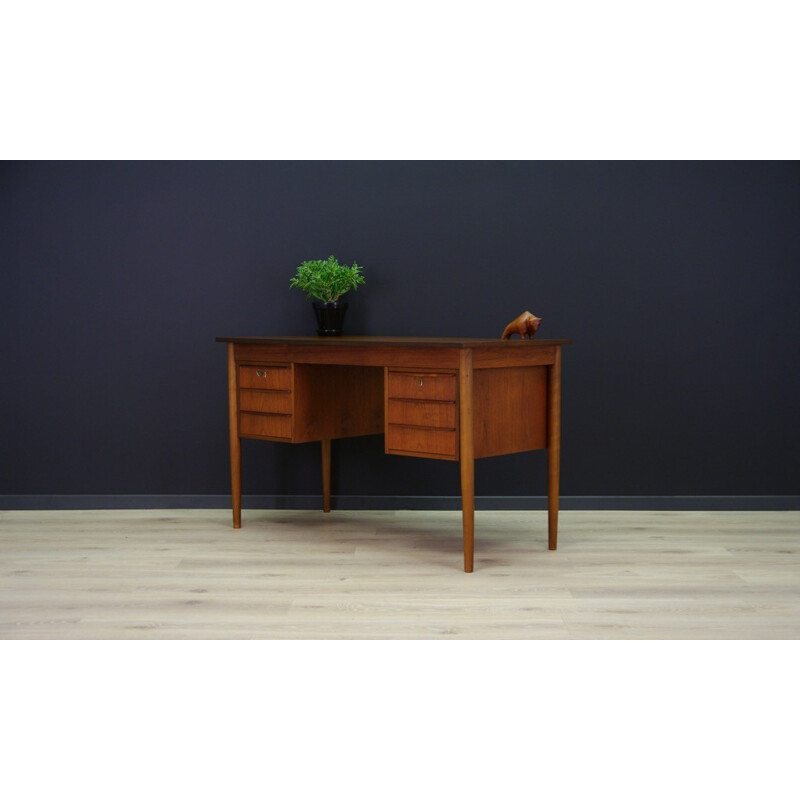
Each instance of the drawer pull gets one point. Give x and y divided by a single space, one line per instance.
261 373
420 381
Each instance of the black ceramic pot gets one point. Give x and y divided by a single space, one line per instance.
330 317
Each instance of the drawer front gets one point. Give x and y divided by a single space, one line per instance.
422 441
265 377
422 385
278 426
265 402
420 412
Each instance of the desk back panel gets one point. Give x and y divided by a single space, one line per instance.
333 401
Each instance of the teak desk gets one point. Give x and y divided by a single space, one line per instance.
453 399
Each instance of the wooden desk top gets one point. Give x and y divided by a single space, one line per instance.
392 341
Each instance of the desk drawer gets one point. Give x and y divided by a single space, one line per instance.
265 402
421 385
431 442
427 414
277 426
265 377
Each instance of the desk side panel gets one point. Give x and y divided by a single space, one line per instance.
510 410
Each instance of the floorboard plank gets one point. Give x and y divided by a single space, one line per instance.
173 574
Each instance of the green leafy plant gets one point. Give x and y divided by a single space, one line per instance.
326 280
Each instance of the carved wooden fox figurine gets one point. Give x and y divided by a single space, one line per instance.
525 325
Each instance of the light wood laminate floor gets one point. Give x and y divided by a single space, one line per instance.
159 574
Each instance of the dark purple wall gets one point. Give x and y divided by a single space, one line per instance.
678 282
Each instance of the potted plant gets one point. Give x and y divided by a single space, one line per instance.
327 281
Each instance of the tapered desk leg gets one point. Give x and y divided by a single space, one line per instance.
553 447
326 475
466 456
235 442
